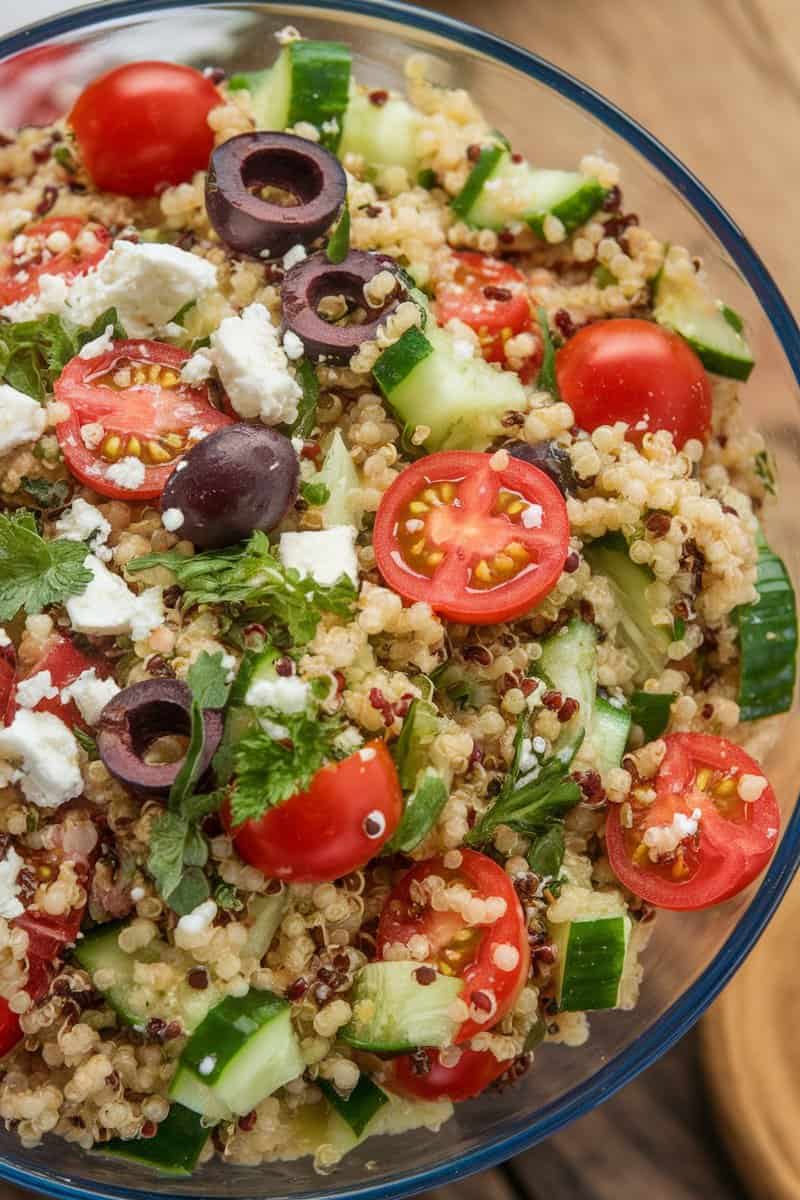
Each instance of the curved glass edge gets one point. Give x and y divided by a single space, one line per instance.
680 1017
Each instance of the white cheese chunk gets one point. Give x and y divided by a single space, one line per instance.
82 522
293 347
128 473
287 695
253 367
90 693
35 688
172 519
108 606
198 368
662 840
293 256
99 345
47 752
200 919
5 640
324 554
10 868
22 419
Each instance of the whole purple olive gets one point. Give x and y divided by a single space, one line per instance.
306 284
244 166
136 718
551 458
237 479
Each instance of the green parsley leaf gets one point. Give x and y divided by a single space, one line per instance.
207 679
531 808
167 844
183 312
86 742
193 888
764 467
34 573
546 854
546 380
427 178
34 353
651 710
306 419
47 493
249 575
339 241
270 771
315 493
227 898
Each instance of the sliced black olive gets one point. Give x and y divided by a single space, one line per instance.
240 478
305 285
244 166
136 718
551 458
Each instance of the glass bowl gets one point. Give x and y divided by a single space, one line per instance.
554 119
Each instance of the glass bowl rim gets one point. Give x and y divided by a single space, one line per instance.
685 1011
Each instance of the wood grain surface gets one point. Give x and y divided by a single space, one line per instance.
719 82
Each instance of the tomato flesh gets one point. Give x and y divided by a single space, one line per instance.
470 1076
133 400
26 258
634 371
349 812
491 297
492 958
726 843
65 662
8 677
144 126
479 545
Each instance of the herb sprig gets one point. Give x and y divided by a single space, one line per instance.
34 353
271 769
35 573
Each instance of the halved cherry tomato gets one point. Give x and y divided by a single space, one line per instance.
350 810
24 260
8 676
65 662
479 545
492 298
39 973
32 84
470 1076
698 780
144 126
635 371
134 394
492 959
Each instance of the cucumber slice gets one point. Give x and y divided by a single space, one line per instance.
393 1012
99 950
315 1125
244 1051
340 476
428 786
569 663
175 1148
591 950
360 1106
713 330
461 400
608 734
384 135
499 191
629 582
767 640
651 710
267 913
411 750
310 81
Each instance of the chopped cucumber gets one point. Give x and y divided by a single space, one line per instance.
608 733
629 582
392 1011
651 710
591 949
569 664
767 640
461 400
243 1051
267 913
713 330
499 191
360 1106
340 476
173 1150
429 788
310 81
385 135
315 1125
411 750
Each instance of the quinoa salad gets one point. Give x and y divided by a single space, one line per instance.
389 622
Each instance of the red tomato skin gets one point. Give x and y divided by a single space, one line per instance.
732 853
30 83
471 1075
8 678
65 265
493 320
452 598
634 371
143 126
485 878
65 662
317 835
88 403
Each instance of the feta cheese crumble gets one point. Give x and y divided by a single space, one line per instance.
293 347
90 693
293 256
35 688
286 694
198 368
172 519
532 516
82 522
253 367
199 920
10 868
22 419
47 752
128 473
207 1064
662 840
100 345
108 606
324 554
